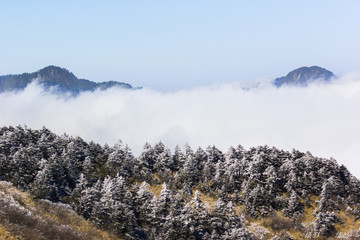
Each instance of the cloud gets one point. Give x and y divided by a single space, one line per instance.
322 118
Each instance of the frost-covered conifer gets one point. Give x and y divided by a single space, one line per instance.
294 205
328 195
44 185
102 184
324 224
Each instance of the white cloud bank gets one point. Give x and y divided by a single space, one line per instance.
322 119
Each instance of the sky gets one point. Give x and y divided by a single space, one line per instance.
167 45
193 59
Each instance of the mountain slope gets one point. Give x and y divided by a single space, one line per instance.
303 76
60 78
23 217
260 193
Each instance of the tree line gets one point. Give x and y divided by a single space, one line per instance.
115 190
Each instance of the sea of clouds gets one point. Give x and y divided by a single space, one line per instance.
321 118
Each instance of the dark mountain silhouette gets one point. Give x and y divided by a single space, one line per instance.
303 76
60 78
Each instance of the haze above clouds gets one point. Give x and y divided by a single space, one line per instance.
322 118
175 44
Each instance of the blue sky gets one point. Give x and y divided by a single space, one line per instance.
178 44
172 45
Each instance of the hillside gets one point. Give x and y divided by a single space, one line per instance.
58 78
23 217
303 76
259 193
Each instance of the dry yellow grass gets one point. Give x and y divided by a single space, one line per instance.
259 230
349 223
309 211
5 234
296 234
70 218
53 214
262 224
239 209
156 176
8 189
155 189
208 201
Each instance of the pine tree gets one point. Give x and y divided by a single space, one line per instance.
324 224
294 205
328 195
44 185
89 200
26 162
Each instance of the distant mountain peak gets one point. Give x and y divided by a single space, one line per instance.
304 75
55 77
55 71
53 68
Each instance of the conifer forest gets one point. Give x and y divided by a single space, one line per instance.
184 193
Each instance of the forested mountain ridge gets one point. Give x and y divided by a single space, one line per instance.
59 78
260 193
